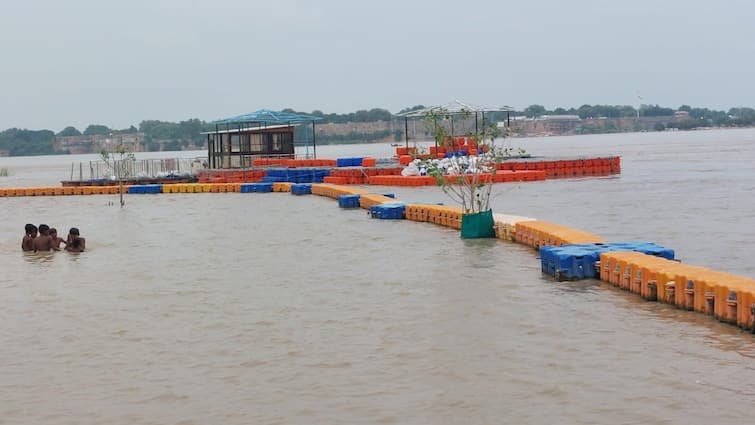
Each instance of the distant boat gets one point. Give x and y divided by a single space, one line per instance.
395 144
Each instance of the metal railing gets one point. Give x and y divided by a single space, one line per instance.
138 168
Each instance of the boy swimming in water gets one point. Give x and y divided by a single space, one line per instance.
27 243
75 242
56 241
43 242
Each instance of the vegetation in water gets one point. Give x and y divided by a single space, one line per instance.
120 163
467 180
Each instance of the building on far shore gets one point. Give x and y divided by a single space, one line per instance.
96 143
562 125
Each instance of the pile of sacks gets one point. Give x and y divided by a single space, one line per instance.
456 165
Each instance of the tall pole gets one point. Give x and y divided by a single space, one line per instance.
314 142
306 140
406 130
639 105
483 125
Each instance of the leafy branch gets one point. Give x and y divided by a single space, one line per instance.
467 180
120 163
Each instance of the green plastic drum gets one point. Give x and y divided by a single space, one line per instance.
478 225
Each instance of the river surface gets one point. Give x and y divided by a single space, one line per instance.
278 309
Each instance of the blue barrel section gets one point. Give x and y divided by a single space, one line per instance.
146 188
348 201
456 153
349 162
575 262
301 189
256 188
295 175
388 211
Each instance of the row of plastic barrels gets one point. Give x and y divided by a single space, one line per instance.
358 170
60 191
567 167
538 233
727 297
614 162
293 163
359 175
231 176
442 215
138 189
384 177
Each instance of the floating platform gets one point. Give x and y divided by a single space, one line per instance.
366 170
575 262
129 182
643 268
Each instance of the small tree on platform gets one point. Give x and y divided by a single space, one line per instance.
118 163
468 180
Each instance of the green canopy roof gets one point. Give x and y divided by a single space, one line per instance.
268 116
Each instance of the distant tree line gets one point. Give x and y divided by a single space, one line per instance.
177 136
700 117
598 111
375 114
22 142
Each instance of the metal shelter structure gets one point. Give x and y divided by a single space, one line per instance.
454 108
236 141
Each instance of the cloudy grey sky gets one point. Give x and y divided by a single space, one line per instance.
77 62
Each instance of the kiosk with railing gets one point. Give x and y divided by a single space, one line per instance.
237 141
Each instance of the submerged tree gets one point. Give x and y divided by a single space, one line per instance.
467 179
120 163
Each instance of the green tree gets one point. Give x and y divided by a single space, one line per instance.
69 131
656 111
411 108
742 116
586 111
690 124
467 181
724 121
22 142
96 129
534 111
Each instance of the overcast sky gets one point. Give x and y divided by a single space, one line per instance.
79 62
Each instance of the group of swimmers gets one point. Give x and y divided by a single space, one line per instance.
45 238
